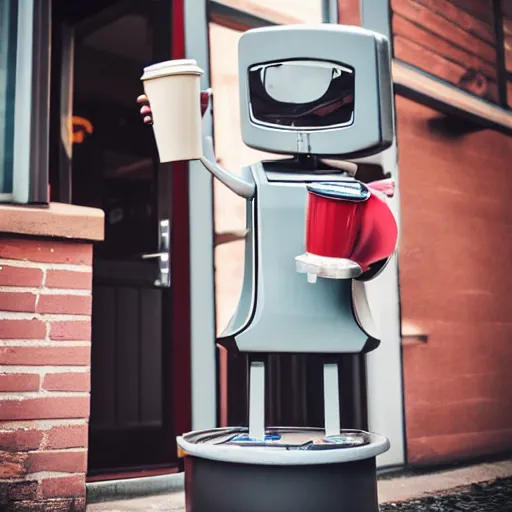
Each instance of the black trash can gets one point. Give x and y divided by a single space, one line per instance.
293 470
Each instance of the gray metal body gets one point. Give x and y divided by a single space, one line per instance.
285 69
279 311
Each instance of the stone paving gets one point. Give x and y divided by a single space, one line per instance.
493 496
400 494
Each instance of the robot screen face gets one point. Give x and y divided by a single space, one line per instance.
316 89
301 94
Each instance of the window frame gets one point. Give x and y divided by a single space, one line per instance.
429 90
240 20
11 9
31 104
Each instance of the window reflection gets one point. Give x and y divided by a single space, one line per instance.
8 34
281 11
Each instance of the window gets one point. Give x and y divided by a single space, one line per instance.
463 42
280 12
227 21
506 10
24 100
8 35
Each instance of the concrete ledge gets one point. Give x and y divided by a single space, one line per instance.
58 220
135 487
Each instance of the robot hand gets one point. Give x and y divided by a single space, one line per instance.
146 113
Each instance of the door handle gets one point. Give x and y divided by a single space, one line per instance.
155 255
164 277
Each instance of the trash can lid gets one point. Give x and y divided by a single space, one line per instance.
283 446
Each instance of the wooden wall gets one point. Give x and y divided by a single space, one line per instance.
455 263
452 39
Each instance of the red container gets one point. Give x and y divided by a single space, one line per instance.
345 220
378 233
332 226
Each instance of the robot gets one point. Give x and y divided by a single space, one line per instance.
321 95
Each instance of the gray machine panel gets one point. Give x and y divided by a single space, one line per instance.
280 311
367 53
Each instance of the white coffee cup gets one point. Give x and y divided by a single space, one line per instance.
173 90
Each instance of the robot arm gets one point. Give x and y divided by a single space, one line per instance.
239 186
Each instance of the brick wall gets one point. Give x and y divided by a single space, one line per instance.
45 307
455 286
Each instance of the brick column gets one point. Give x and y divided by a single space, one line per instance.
45 333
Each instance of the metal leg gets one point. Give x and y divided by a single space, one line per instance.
257 400
331 400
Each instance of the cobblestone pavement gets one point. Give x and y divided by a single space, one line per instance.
486 497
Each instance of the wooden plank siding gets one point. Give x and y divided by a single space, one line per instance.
456 44
481 9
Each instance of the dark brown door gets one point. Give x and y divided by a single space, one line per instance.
115 167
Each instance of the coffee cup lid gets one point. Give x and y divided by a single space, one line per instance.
172 67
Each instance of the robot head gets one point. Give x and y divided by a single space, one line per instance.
321 90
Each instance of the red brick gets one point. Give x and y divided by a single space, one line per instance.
19 382
68 279
22 329
16 301
73 330
21 490
78 381
44 408
13 464
66 461
20 276
64 486
40 356
46 251
72 436
446 449
64 304
12 440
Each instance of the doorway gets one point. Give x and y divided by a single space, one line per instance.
115 167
